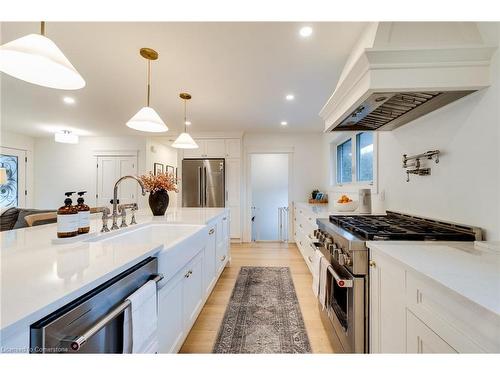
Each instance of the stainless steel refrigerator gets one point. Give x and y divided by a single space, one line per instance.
203 183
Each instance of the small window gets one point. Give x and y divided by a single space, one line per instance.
344 162
364 156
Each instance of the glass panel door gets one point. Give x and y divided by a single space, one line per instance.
13 192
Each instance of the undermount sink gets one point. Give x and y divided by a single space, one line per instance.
153 233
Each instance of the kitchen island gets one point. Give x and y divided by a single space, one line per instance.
39 277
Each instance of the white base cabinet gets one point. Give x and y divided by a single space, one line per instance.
410 313
210 260
304 224
170 315
423 340
387 306
182 296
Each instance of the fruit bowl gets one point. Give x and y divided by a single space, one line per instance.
345 207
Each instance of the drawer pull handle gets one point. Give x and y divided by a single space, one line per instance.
372 264
310 259
212 231
223 258
300 225
188 274
224 218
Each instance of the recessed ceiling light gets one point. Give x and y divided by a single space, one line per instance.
68 100
290 97
187 123
284 123
305 31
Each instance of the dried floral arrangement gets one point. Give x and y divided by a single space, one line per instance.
160 181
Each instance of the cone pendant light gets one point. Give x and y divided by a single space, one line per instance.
36 59
184 140
147 120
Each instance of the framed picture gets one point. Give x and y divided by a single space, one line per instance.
158 168
170 170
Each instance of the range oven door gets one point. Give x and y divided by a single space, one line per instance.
346 307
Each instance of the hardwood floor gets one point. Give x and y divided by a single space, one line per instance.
203 334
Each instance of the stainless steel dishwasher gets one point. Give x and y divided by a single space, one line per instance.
92 323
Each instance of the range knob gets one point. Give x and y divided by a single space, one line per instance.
331 248
336 253
328 241
316 233
342 259
348 261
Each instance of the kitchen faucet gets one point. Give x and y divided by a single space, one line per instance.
114 215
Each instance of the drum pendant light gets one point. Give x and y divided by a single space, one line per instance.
147 120
36 59
184 140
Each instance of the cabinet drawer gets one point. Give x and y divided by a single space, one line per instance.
468 328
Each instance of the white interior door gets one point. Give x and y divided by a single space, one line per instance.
109 170
13 193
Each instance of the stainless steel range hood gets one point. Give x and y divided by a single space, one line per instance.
399 71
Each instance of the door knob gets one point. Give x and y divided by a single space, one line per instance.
372 264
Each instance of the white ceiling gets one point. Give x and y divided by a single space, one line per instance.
238 74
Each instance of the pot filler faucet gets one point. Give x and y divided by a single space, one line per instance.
120 209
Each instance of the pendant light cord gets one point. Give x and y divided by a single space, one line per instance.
185 125
42 28
149 82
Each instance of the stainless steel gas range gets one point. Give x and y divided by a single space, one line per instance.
342 240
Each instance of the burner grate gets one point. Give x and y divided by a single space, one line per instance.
400 227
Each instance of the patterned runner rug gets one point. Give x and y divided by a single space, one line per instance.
263 315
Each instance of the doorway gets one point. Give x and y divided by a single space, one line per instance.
269 192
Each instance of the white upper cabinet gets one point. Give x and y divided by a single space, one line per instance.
215 148
195 153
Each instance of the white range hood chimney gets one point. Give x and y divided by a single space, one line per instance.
399 71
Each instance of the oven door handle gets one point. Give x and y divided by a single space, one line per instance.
342 283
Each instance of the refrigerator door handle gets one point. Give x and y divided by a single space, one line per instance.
205 185
199 187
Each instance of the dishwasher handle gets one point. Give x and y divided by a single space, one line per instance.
75 343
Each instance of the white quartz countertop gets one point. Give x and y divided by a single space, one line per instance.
323 210
38 277
472 273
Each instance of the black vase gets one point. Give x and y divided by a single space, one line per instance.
158 201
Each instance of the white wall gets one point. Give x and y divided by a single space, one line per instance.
159 152
465 186
63 167
26 143
269 184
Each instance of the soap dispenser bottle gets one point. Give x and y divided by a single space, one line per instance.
67 218
83 214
